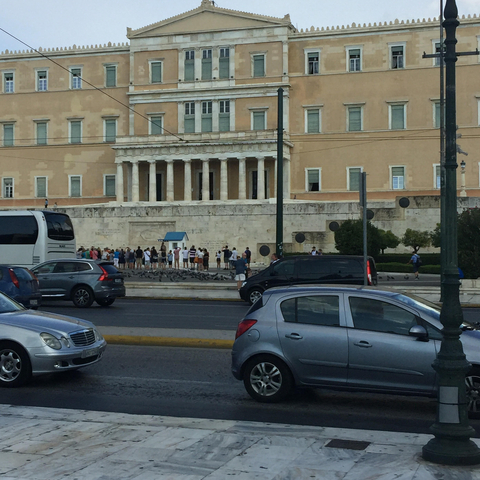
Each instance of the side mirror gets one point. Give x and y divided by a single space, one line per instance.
419 332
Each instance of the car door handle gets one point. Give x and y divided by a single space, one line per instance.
363 344
294 336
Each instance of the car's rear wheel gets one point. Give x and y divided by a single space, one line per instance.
105 302
15 366
267 379
82 297
254 295
472 381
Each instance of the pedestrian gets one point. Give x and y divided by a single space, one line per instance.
46 203
191 256
170 259
163 256
199 259
176 257
226 257
116 257
94 254
416 262
122 259
154 258
240 267
248 254
147 257
219 259
138 258
131 258
314 251
185 252
274 258
206 257
233 257
79 253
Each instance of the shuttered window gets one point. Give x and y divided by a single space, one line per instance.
156 72
354 179
354 119
189 65
313 121
224 63
259 65
398 178
41 133
111 76
41 187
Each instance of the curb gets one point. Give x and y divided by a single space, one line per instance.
168 341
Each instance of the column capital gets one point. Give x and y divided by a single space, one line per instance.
168 160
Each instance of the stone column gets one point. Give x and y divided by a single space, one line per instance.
135 182
261 178
242 178
187 193
286 178
223 179
119 182
205 179
170 181
152 181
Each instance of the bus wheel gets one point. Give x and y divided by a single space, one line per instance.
82 297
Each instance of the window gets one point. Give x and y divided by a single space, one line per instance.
189 65
436 114
259 120
259 65
76 78
354 56
110 130
207 64
8 135
378 316
313 63
189 119
42 81
110 75
7 187
155 72
354 119
312 176
8 82
313 310
75 185
156 125
437 180
206 116
75 134
224 116
224 63
354 178
397 53
313 120
41 133
109 185
398 178
41 190
437 50
397 117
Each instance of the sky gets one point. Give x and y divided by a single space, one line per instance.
58 23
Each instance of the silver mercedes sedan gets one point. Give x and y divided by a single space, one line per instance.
35 343
345 338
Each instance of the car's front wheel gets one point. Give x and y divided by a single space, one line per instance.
472 381
105 302
15 366
267 379
82 297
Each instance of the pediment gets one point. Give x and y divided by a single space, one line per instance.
207 18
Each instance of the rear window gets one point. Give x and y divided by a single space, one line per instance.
22 273
256 306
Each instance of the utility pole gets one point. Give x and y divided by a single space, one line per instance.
279 233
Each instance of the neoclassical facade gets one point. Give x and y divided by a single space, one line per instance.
186 111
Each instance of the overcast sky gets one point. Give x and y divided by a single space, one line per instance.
58 23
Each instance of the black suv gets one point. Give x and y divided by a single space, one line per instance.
314 269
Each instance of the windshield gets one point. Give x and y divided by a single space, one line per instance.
8 305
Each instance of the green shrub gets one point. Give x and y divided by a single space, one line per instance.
404 268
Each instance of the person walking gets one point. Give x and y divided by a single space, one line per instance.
416 262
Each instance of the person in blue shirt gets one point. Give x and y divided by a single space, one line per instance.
240 268
416 262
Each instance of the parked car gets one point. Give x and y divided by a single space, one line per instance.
34 343
20 284
309 269
81 280
347 338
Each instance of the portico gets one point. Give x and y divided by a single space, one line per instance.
198 170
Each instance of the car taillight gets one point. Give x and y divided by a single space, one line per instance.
104 276
369 273
243 326
14 278
33 275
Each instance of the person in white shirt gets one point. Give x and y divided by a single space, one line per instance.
233 257
147 256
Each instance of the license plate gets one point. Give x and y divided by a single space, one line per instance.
90 352
33 302
118 280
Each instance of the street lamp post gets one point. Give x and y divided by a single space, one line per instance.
463 192
451 444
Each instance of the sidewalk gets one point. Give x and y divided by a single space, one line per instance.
42 443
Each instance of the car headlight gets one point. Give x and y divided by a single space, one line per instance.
98 336
51 341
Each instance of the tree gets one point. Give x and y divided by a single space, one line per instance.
435 237
468 242
388 240
416 239
349 238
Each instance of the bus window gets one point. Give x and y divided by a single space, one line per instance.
18 230
59 226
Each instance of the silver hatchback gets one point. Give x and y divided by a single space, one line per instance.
351 338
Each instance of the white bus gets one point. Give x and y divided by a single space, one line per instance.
29 237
